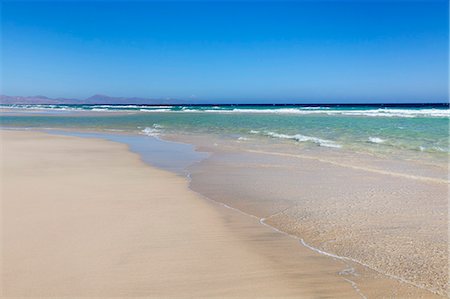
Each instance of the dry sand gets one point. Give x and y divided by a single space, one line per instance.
88 218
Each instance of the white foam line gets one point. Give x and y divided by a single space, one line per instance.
262 221
302 242
304 138
349 271
355 286
323 252
380 112
401 279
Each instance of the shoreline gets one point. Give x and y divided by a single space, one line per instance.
249 271
279 227
248 209
367 283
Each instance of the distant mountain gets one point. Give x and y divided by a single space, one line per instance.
104 99
95 99
35 100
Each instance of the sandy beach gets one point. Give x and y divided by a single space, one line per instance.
383 213
86 217
224 149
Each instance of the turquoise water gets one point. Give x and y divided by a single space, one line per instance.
326 204
373 129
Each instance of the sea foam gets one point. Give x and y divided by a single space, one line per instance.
312 110
303 138
153 132
376 140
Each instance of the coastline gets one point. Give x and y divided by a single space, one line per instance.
225 149
394 223
95 221
284 267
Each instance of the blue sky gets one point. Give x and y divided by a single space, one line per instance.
254 51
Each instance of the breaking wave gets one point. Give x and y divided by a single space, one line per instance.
376 140
368 112
303 138
153 131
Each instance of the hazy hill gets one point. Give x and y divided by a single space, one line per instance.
95 99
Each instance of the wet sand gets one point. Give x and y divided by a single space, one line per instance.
86 217
391 217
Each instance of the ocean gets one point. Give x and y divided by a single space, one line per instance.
400 131
365 183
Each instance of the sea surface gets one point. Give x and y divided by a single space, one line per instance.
400 131
365 183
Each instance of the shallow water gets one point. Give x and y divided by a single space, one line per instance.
411 131
396 224
172 156
352 182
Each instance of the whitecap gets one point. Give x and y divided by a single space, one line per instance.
151 132
376 140
380 112
155 110
304 138
369 112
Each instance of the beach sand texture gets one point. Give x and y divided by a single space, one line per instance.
395 224
85 217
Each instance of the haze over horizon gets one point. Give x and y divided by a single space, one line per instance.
106 99
265 52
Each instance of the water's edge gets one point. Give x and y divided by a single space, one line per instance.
191 156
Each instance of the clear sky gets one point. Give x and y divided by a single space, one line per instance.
293 51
